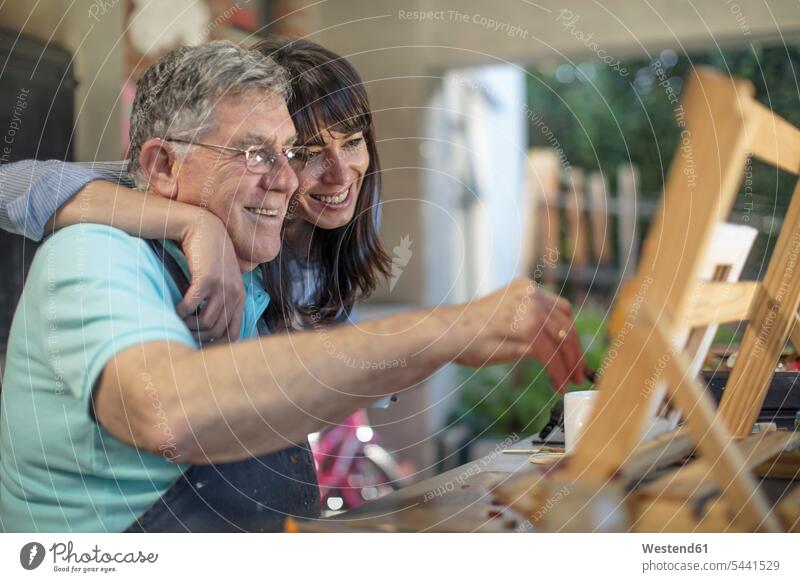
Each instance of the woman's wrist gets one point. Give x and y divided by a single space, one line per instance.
183 221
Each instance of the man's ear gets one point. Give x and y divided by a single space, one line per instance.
160 165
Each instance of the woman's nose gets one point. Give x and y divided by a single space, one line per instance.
335 170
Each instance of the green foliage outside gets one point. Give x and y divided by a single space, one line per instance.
505 399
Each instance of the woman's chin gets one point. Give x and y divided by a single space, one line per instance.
327 220
331 224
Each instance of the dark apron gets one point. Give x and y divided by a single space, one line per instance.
252 495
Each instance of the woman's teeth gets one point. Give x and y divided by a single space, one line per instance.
263 211
338 199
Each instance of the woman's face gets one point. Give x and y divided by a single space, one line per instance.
330 176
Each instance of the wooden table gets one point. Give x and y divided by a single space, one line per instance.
457 500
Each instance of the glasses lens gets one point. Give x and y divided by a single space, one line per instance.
259 161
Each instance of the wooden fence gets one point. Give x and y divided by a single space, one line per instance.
578 231
580 237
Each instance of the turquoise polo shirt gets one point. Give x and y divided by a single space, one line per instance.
92 291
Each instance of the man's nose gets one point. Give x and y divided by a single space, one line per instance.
282 178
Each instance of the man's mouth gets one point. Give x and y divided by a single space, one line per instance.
263 211
334 199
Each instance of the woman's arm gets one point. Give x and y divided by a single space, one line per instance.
38 197
216 280
32 190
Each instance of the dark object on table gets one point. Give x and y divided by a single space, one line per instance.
556 420
781 403
557 412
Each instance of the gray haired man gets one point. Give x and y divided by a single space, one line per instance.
114 419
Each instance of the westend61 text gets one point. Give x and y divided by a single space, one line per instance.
670 549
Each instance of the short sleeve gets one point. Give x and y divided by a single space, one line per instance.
100 291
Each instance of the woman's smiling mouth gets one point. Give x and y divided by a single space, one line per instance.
338 199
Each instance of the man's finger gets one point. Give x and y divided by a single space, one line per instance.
544 349
569 346
563 359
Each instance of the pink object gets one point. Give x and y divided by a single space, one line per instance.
345 456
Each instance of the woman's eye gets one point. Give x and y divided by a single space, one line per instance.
303 155
354 143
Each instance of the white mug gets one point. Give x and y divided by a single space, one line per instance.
578 407
577 412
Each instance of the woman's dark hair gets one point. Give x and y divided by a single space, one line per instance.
345 262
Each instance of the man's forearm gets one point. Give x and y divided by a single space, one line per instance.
258 396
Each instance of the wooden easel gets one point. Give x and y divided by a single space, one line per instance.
716 489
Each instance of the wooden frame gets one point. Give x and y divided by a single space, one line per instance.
724 125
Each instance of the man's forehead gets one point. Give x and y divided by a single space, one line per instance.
255 118
257 137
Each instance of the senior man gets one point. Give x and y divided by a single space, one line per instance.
112 417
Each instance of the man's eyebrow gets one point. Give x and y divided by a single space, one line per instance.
256 139
250 139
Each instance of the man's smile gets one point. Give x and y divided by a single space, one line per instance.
264 211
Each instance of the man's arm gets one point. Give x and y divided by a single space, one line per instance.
233 401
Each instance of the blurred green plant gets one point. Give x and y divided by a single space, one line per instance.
505 399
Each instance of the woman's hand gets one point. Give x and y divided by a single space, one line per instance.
216 287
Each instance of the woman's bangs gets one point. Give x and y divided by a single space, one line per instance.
344 110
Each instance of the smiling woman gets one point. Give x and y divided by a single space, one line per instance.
332 222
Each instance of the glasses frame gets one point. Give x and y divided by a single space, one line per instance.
248 153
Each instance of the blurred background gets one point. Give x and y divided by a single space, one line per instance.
516 137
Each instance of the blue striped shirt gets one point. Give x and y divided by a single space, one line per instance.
32 190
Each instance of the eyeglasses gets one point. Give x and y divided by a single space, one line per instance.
257 159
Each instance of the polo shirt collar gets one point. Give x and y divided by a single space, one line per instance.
256 297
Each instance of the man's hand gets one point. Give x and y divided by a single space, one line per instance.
520 321
216 285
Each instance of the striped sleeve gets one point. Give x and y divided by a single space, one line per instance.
32 190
